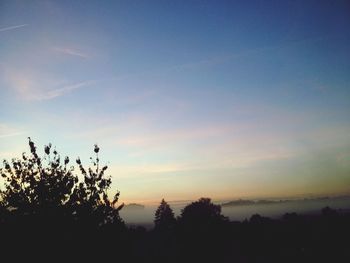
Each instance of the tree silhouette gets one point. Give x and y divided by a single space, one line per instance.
202 231
37 185
164 217
329 212
43 186
202 212
90 197
47 210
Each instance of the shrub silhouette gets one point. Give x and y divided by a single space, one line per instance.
164 217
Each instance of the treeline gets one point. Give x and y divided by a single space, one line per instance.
49 212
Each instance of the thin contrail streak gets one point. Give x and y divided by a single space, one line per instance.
12 27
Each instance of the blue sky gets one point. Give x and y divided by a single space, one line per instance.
186 99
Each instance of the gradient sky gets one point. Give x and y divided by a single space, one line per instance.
225 99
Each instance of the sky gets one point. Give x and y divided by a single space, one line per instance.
223 99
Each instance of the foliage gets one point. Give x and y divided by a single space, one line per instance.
90 197
164 217
47 210
47 185
202 212
34 184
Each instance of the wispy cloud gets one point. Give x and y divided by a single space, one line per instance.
32 86
221 59
7 131
140 170
51 94
12 27
71 52
159 139
10 134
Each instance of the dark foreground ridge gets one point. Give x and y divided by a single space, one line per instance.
49 213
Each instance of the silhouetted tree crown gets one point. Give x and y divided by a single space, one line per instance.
46 185
202 212
164 217
47 210
329 212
